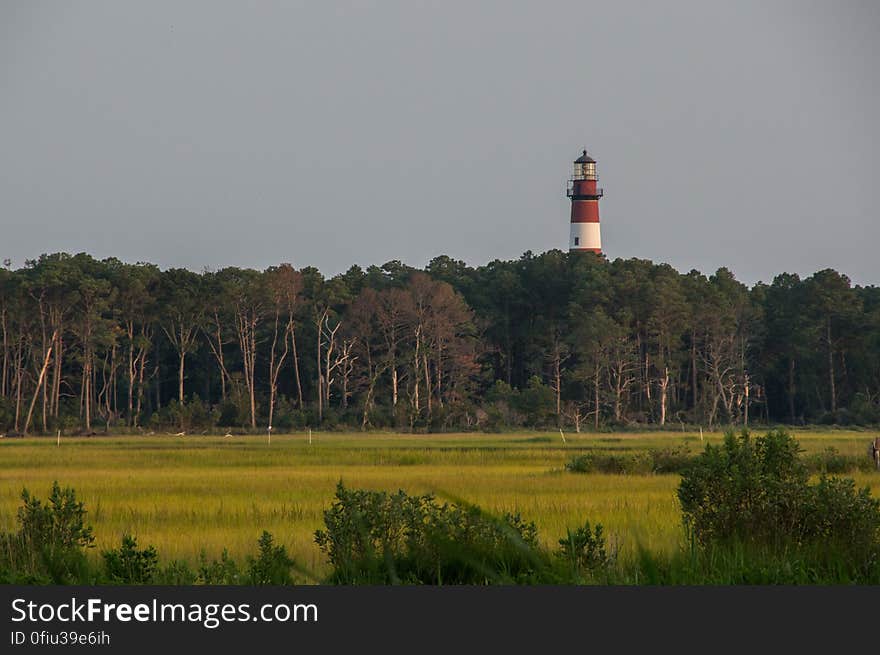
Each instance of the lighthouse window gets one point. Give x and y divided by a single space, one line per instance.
577 241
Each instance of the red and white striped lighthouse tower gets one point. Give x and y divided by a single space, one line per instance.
584 196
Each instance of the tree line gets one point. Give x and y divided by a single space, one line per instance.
556 339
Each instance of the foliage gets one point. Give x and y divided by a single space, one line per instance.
831 461
224 571
50 543
584 549
671 459
272 565
504 345
663 460
379 538
756 492
130 566
536 403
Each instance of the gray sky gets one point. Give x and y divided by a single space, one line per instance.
738 134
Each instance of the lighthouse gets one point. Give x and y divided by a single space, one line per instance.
584 206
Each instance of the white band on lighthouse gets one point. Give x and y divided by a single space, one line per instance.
585 236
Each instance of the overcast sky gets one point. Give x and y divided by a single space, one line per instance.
207 134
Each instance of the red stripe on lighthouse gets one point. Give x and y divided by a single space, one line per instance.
585 211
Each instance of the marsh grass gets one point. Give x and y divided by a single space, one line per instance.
193 495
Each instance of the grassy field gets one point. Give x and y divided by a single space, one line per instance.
185 495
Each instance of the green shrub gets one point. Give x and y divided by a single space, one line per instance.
671 460
229 416
50 544
831 461
842 518
272 566
744 489
60 523
128 565
756 493
218 572
379 538
175 573
581 464
638 463
584 549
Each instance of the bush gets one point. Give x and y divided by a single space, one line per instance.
584 549
639 463
831 461
229 415
128 565
671 460
175 573
218 572
756 493
272 566
744 489
379 538
50 544
581 464
843 518
285 415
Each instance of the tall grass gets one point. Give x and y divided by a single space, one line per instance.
203 494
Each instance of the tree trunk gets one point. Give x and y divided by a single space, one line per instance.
132 373
428 393
416 376
320 379
4 373
252 374
440 372
180 385
664 386
694 391
618 392
831 369
19 379
140 393
299 392
87 392
39 386
368 402
217 351
44 392
557 386
275 367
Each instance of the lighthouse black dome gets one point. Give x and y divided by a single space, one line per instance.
585 159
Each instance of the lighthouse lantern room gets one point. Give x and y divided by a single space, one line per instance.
584 194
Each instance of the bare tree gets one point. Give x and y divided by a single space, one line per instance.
284 285
248 299
183 311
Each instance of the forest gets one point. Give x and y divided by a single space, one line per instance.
574 341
